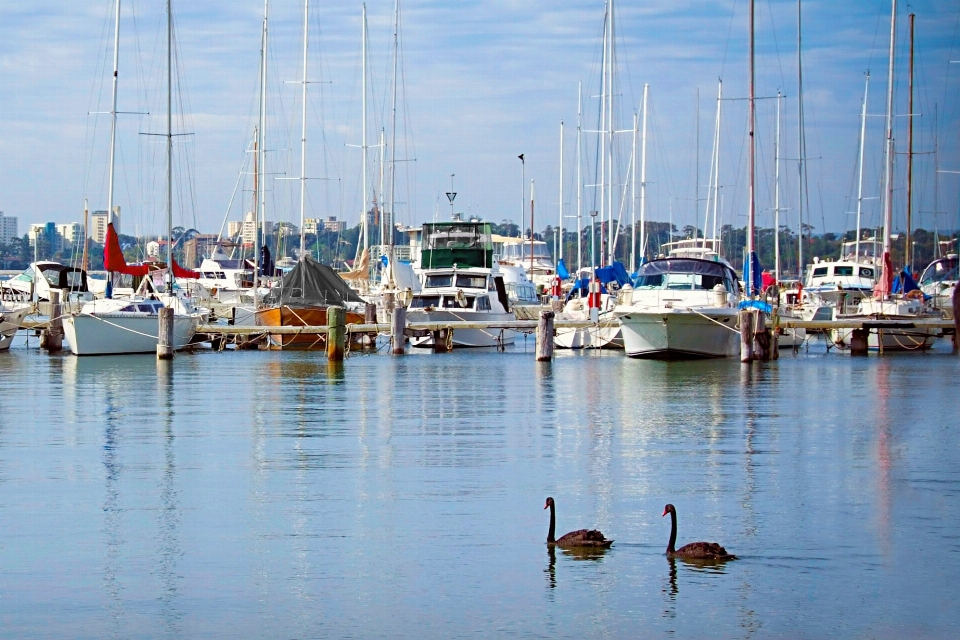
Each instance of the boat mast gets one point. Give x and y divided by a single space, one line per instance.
579 179
716 159
886 282
776 199
643 177
303 131
531 228
259 191
113 132
388 228
169 149
748 276
863 134
633 198
363 54
560 246
907 250
603 126
611 249
800 146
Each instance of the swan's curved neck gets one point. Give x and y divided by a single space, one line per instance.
673 532
553 526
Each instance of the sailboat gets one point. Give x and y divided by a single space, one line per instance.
114 325
11 316
306 292
885 304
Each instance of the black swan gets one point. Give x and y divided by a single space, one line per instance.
584 538
694 550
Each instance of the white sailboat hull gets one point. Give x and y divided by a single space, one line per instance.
465 337
112 334
10 319
680 333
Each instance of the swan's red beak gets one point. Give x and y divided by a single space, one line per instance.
546 505
664 513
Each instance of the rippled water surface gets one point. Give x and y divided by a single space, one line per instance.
254 494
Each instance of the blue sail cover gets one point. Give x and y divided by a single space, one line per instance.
615 272
752 274
562 270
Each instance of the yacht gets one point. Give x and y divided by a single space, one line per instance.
11 316
517 252
841 284
460 282
42 277
682 307
939 281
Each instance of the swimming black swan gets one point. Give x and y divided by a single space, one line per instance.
575 539
694 550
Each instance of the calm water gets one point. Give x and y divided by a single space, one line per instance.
255 494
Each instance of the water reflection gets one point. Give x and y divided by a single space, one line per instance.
168 525
551 566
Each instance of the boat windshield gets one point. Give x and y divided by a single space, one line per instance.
940 270
520 251
439 280
420 302
471 282
457 236
686 275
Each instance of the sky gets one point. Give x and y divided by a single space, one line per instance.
480 83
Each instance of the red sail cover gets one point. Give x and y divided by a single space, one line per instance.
885 284
180 272
113 259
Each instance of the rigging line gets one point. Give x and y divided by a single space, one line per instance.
776 43
726 44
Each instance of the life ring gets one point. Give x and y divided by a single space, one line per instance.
461 298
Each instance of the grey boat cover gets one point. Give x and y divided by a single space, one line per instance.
311 284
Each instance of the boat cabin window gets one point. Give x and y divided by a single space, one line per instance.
472 282
215 275
450 302
146 308
443 280
843 271
865 272
819 272
483 303
419 302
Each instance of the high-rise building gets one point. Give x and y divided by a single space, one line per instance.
333 225
98 224
8 228
71 234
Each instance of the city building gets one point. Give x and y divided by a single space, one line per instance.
8 228
98 224
71 234
333 225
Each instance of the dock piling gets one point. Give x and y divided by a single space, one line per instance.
858 342
956 319
398 325
337 332
165 337
442 340
746 335
545 336
51 338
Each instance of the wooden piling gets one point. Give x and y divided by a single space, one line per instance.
545 336
336 334
442 340
397 326
370 314
775 333
761 337
859 342
956 319
51 338
746 335
165 336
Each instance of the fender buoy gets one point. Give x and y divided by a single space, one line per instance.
593 297
556 288
461 298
